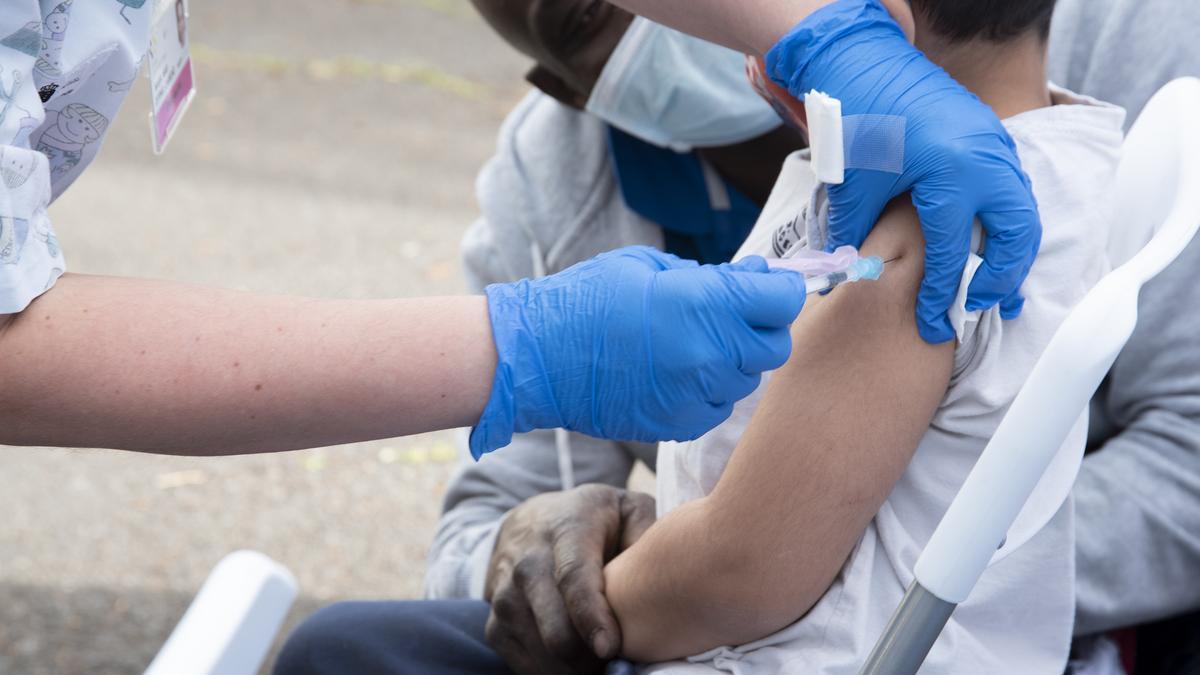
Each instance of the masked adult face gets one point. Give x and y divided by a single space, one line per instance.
657 84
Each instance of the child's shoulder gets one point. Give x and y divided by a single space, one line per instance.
1073 122
1071 151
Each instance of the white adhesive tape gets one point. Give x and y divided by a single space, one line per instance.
874 142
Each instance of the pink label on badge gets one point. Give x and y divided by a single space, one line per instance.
177 98
172 81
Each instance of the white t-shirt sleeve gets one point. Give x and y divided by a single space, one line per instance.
30 260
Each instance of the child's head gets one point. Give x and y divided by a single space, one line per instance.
994 48
951 33
996 21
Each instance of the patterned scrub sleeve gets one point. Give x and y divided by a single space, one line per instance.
30 260
55 107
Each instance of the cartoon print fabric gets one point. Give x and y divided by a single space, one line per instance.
65 135
59 62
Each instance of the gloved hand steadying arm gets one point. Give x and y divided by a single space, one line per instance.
634 345
959 162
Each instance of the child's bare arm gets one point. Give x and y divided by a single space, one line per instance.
833 434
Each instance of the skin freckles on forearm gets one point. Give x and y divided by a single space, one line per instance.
749 26
170 368
831 436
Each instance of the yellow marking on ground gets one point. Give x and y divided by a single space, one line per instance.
178 479
342 67
437 452
457 8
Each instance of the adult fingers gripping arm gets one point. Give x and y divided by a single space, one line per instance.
546 578
480 496
512 622
1014 234
581 554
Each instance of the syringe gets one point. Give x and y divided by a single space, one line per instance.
864 268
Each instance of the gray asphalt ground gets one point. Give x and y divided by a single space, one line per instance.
331 152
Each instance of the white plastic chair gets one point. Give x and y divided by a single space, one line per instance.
233 620
1158 192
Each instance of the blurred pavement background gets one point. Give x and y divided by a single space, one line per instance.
331 152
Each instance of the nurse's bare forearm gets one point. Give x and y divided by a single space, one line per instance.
162 367
750 26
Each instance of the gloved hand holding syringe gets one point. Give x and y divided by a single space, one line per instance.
825 271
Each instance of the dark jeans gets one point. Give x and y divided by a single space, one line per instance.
445 637
1169 647
393 638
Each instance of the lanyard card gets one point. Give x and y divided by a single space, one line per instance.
172 86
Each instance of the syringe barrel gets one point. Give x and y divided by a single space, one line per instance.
823 282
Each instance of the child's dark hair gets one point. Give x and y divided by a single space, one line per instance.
992 20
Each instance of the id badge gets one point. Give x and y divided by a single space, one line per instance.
172 85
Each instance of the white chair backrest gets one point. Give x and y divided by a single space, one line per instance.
1159 194
1157 171
230 625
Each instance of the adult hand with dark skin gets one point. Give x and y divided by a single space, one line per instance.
546 578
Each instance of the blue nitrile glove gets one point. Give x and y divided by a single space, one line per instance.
959 161
634 345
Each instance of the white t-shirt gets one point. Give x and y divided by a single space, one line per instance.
65 67
1019 618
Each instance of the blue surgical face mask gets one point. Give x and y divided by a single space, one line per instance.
679 92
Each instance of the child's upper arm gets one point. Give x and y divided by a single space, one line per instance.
836 428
